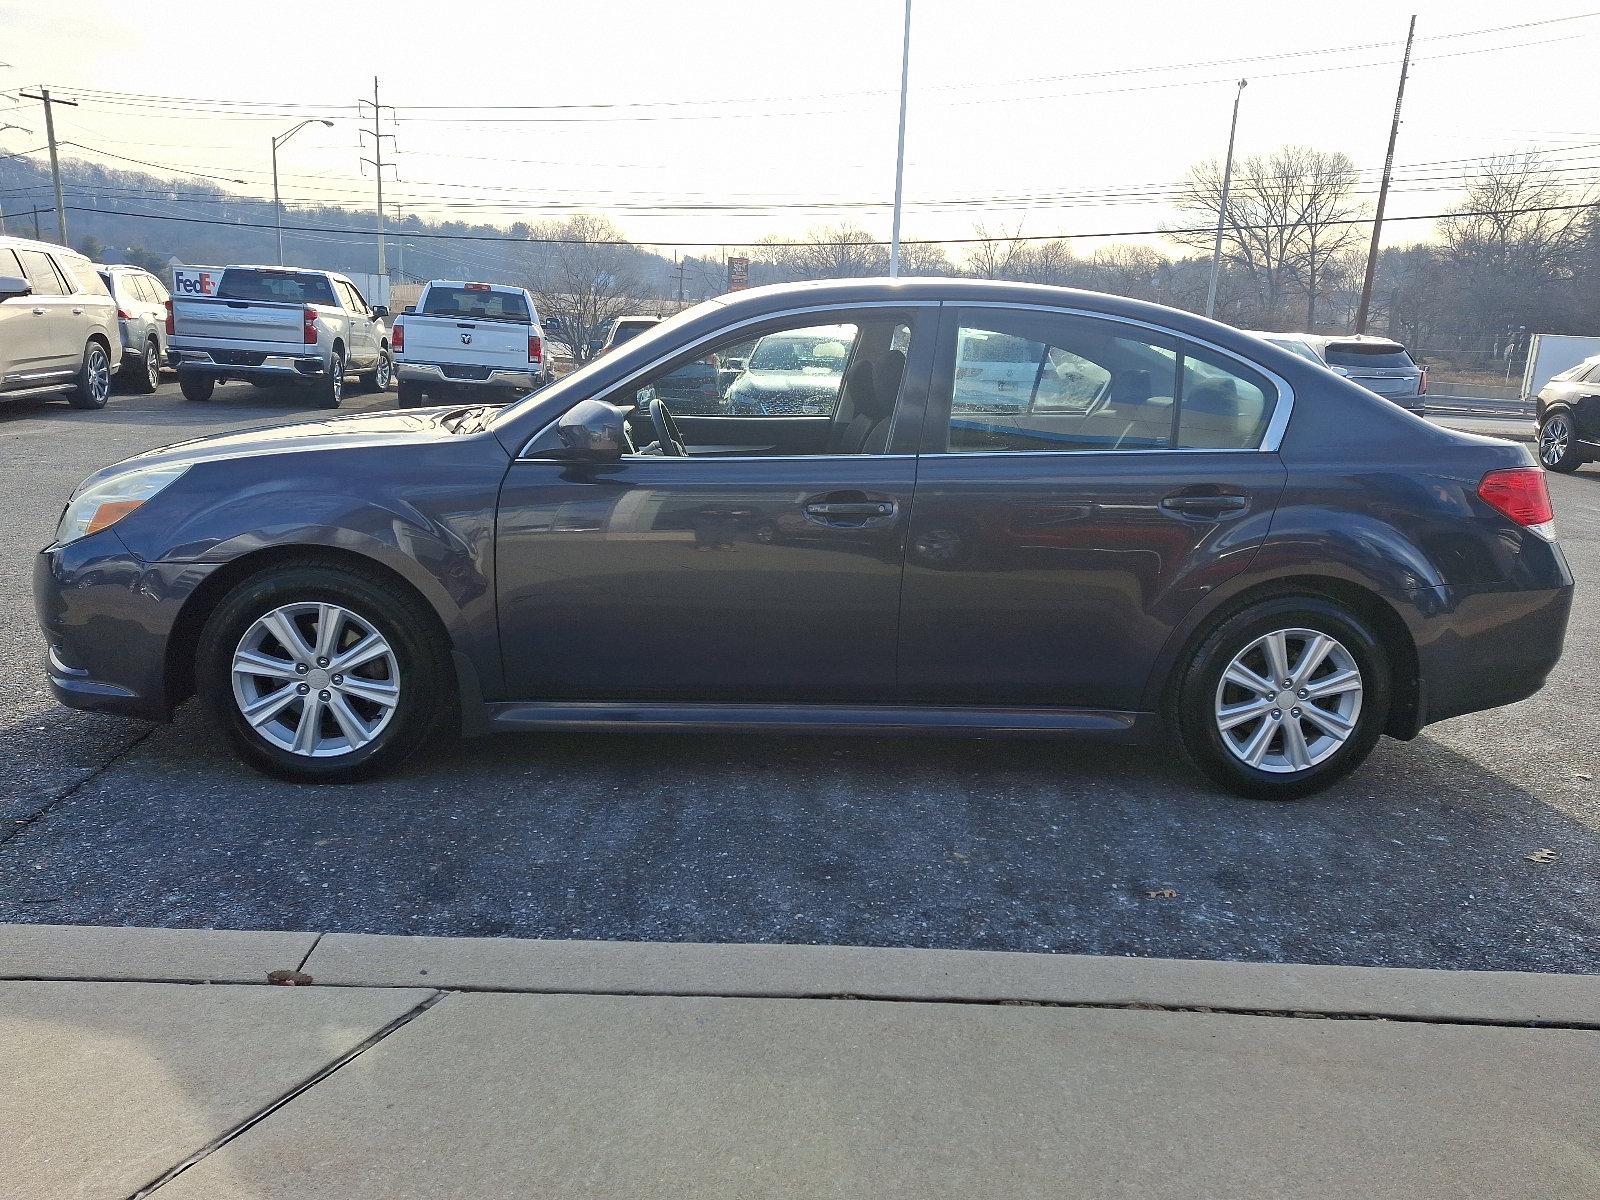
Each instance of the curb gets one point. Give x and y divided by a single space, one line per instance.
59 952
1505 430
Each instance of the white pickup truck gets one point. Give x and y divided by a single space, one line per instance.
276 325
469 339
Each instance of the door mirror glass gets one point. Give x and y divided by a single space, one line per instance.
380 311
12 286
593 431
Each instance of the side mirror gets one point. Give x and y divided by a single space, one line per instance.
411 308
593 431
380 311
12 286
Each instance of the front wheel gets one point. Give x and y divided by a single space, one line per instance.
322 674
1558 443
1283 698
93 386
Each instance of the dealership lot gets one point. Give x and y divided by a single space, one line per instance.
1421 859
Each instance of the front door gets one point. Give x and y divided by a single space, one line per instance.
1083 484
764 565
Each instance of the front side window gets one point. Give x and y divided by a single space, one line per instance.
1053 382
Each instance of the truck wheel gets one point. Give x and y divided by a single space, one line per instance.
411 394
331 389
378 379
197 387
93 386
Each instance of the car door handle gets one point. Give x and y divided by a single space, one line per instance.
1188 505
850 510
884 508
38 312
77 312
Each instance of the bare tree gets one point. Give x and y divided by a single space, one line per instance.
587 277
1285 220
1014 257
842 252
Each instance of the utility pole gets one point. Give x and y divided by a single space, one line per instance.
900 151
43 94
378 164
1383 188
36 236
1222 204
678 268
400 244
20 129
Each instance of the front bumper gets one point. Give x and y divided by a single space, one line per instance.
498 377
280 366
108 619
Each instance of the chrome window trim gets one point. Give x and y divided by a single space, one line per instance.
1271 439
659 360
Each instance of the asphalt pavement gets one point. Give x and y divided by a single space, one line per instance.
1421 859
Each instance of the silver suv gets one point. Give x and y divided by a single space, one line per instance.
141 321
58 324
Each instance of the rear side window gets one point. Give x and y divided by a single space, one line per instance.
85 277
36 266
9 264
472 304
1352 355
280 287
158 293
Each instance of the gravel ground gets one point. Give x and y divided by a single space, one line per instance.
1419 860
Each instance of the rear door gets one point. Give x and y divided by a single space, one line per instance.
24 330
723 576
59 337
1083 482
363 350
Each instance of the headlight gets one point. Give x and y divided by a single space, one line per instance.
105 503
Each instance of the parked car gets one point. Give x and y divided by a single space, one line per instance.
625 329
275 325
1376 363
1261 559
466 340
1293 342
141 323
58 325
1567 410
792 374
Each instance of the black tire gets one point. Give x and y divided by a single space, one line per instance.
196 387
1558 443
329 390
1193 708
411 394
425 677
92 388
144 372
380 377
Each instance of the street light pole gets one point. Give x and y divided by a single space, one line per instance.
1383 187
277 205
900 151
1222 205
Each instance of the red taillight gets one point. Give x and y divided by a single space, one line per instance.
311 326
535 348
1520 493
1422 384
170 323
397 338
124 315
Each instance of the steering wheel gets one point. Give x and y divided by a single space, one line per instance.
667 435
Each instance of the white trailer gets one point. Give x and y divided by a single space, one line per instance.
1551 353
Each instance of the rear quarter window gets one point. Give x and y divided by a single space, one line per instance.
1354 355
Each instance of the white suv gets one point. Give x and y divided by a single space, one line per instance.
58 324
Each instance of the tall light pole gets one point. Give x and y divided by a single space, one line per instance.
1222 205
277 205
900 152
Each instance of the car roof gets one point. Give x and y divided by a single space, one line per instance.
1346 339
12 242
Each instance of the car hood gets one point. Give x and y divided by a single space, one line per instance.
413 426
787 381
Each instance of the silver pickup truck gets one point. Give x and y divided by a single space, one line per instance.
279 325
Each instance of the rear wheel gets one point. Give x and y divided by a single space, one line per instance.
93 386
197 387
411 394
378 379
144 372
322 674
1558 443
330 389
1283 698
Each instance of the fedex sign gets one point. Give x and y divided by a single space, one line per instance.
195 281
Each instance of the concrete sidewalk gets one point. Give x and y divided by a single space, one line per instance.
159 1062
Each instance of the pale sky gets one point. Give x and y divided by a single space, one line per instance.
1012 104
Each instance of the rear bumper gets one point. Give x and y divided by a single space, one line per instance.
499 377
283 366
107 618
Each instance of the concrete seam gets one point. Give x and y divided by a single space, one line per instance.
310 950
22 823
299 1089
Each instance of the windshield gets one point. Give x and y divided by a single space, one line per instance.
651 340
475 304
1298 347
626 331
815 354
281 287
1356 355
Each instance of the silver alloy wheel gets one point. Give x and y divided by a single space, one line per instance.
381 375
152 364
1554 439
99 372
337 370
1288 700
316 679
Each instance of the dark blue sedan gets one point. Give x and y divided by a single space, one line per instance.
1015 509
